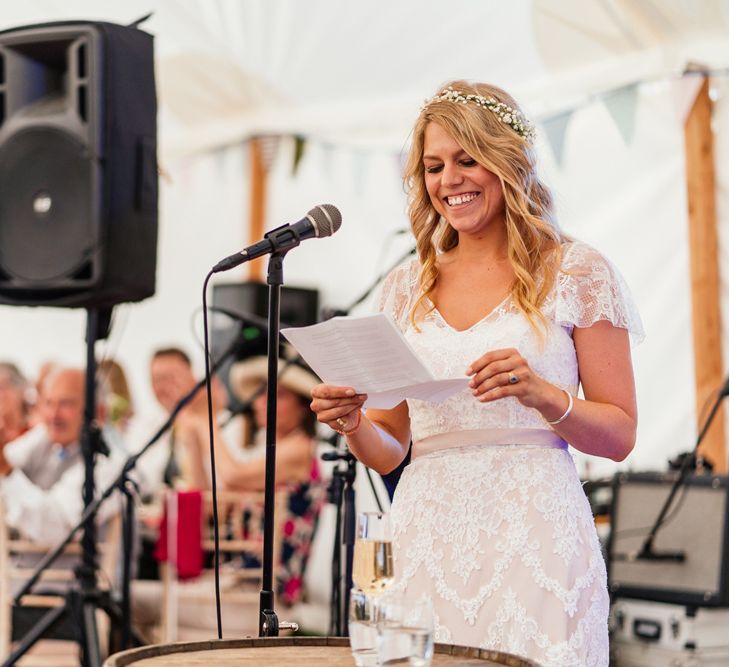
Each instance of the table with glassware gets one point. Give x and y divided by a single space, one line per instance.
386 627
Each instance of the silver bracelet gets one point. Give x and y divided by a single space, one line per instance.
570 405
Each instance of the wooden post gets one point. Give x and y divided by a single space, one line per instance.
257 209
704 261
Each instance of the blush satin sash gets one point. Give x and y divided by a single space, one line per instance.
487 437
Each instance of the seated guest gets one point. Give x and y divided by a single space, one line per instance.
42 472
168 462
13 403
119 405
171 377
172 461
296 471
297 468
35 416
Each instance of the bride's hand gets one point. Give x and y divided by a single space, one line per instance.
336 406
501 373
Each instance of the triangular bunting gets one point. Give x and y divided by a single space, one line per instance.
269 149
622 105
299 148
555 128
683 92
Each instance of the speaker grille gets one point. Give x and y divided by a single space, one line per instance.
47 228
78 176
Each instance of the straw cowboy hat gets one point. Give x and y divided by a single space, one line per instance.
246 377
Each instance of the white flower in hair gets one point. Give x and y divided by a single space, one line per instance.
512 117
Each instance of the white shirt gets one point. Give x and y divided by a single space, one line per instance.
48 515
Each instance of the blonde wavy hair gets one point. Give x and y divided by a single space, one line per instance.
534 240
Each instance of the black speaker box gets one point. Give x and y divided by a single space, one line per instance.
696 526
299 307
78 170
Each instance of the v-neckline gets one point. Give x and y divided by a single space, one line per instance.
496 308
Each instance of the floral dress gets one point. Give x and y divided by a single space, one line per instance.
303 504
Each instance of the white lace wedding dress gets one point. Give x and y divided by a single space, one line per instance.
490 519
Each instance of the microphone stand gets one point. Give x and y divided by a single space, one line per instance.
268 623
646 551
342 495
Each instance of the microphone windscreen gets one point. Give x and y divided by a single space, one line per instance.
326 218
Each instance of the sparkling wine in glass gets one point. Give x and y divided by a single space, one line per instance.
372 568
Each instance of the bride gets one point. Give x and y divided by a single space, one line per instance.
489 519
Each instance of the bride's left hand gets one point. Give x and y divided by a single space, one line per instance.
505 372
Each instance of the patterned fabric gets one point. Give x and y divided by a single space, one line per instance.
304 502
501 536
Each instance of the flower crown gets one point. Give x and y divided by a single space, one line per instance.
512 117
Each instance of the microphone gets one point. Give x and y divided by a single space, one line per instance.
322 220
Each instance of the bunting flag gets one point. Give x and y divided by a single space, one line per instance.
622 105
684 92
555 128
299 149
269 144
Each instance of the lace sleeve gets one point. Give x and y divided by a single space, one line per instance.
397 293
590 289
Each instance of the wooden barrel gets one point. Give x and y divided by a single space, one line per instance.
290 652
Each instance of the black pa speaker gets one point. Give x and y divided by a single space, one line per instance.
696 528
78 169
299 307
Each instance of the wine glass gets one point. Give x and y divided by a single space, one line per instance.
372 567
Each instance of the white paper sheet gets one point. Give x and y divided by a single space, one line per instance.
370 354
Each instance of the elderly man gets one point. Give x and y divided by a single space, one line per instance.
42 472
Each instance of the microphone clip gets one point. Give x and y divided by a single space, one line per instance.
283 238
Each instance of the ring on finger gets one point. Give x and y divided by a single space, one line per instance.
513 378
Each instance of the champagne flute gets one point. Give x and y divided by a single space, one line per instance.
372 567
